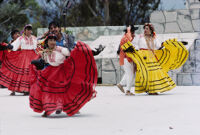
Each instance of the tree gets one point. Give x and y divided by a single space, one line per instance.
18 13
12 17
111 12
140 10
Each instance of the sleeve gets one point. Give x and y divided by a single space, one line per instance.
135 42
16 44
139 44
65 51
157 43
35 42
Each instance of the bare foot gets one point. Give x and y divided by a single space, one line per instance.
128 93
121 88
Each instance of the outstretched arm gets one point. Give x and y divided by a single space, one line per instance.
98 50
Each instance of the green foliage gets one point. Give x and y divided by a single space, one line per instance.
15 14
111 12
12 17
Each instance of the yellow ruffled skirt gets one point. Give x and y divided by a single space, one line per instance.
152 66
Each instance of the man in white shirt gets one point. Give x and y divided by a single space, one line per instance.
127 63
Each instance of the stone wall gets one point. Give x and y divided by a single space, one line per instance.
183 21
182 24
178 21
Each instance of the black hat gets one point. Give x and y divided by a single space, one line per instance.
133 29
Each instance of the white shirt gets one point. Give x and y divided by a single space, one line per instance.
135 42
25 43
143 44
57 56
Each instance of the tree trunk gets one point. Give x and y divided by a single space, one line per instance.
106 12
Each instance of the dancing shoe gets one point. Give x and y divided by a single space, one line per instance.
58 111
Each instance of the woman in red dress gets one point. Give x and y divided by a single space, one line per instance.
65 81
14 73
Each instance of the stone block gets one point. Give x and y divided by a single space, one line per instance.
197 44
190 1
185 24
157 17
192 55
196 25
84 34
189 66
196 79
159 28
197 55
99 68
197 66
106 32
107 64
172 28
183 12
172 74
195 5
170 16
108 77
184 79
195 13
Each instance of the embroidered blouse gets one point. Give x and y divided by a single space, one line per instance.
57 56
25 43
142 44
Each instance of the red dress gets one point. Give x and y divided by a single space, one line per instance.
68 86
14 73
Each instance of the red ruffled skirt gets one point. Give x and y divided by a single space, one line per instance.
68 86
14 73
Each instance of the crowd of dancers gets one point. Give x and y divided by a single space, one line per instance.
60 75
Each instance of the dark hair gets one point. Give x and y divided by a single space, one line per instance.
28 28
150 27
50 36
133 29
54 23
14 32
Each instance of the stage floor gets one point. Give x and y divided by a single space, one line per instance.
111 113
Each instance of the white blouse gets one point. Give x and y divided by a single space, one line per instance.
25 43
57 56
143 44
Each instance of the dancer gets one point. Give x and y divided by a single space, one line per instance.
62 84
14 34
14 73
127 63
63 39
154 61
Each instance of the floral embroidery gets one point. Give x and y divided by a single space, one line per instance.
52 57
